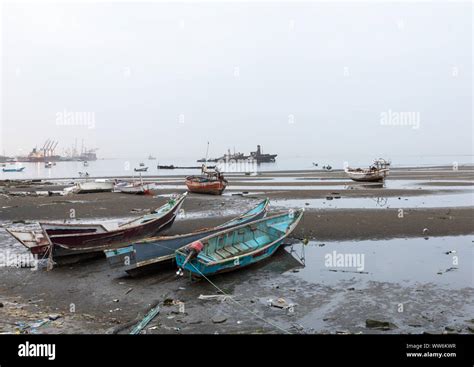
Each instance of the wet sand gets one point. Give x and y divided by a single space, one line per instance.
104 300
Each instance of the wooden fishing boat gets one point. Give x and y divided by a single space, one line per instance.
150 254
377 172
87 187
13 169
209 182
136 188
237 247
73 239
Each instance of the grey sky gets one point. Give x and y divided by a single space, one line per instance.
166 78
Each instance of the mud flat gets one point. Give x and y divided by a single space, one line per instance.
407 283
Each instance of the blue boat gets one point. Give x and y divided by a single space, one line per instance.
237 247
15 169
150 254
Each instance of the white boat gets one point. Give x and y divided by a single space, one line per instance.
132 188
378 171
94 186
48 164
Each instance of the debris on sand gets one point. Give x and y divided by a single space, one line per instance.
280 303
216 297
218 319
379 325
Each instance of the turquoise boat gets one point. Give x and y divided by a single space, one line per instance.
15 169
237 247
151 253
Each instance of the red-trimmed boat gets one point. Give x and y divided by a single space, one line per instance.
77 239
210 182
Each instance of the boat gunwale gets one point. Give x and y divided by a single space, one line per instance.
259 249
171 256
119 229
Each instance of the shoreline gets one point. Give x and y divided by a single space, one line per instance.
106 301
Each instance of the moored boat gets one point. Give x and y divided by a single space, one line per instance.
377 172
237 247
209 182
151 253
74 239
87 187
136 188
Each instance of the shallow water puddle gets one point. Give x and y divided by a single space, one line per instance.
446 261
460 199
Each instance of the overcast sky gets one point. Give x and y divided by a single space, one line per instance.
299 79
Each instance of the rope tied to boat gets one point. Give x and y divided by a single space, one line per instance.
239 304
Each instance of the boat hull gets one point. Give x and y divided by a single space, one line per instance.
238 247
149 255
367 176
93 186
77 239
216 187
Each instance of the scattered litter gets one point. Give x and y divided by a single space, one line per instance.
280 303
146 320
129 290
380 325
219 319
114 310
172 302
348 271
54 316
217 297
116 300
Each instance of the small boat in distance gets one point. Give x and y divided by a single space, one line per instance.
48 165
13 169
237 247
85 164
209 182
151 158
377 172
151 253
141 169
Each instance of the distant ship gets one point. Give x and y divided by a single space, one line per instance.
258 156
262 158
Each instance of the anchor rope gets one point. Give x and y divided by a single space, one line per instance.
239 304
